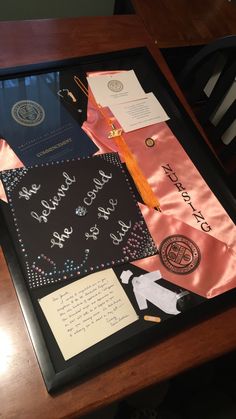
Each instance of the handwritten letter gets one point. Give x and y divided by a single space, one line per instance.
87 311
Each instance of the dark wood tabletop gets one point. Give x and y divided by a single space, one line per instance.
22 390
184 23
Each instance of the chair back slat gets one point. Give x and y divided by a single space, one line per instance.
209 82
198 81
224 83
227 119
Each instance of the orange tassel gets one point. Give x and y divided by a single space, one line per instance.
145 190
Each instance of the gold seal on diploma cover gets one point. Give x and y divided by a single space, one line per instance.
28 113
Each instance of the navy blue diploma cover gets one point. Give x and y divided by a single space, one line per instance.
35 123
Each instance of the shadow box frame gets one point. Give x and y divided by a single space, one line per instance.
124 344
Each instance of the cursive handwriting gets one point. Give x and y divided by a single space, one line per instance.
27 193
120 234
61 238
105 213
54 202
98 185
94 232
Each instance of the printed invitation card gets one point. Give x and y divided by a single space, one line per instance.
75 217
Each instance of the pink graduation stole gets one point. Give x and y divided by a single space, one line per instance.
189 209
8 160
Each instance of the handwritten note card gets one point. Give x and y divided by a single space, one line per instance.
75 218
87 311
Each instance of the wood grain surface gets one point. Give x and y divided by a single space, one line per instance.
22 390
187 22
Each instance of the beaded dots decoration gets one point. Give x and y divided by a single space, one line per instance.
44 270
139 245
13 177
111 158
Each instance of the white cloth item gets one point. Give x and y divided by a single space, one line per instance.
125 276
146 289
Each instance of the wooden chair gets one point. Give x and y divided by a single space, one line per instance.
209 82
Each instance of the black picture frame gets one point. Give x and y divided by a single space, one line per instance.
56 373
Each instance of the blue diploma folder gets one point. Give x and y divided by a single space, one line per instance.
35 123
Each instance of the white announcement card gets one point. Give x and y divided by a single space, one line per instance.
115 88
139 113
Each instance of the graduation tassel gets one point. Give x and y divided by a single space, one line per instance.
145 190
142 185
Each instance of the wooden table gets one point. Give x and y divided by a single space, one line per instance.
186 22
22 390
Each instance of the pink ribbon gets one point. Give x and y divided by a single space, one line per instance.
193 231
8 160
188 205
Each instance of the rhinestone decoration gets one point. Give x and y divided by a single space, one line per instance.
111 158
44 270
140 244
13 177
81 211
